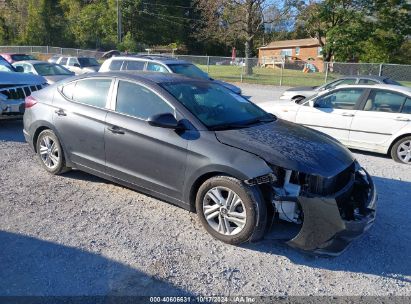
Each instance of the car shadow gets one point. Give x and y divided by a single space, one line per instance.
35 267
11 130
382 251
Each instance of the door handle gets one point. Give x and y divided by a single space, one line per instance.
115 130
402 119
60 112
348 114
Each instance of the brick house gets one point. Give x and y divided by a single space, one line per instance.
307 50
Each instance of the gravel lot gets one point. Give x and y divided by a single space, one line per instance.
79 235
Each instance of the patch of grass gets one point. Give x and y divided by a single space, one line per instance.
271 76
265 76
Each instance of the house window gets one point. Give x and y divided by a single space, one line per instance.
319 51
297 51
286 52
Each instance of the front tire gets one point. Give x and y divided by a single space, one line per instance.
50 153
231 211
401 151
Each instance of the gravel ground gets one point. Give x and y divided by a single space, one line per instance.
79 235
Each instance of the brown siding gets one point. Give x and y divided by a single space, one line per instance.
305 53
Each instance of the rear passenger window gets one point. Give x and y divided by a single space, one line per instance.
68 90
138 101
92 92
156 67
407 107
63 61
367 81
384 101
115 65
134 65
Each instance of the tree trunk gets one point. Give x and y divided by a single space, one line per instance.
248 54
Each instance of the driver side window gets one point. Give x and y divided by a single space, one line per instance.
140 102
345 99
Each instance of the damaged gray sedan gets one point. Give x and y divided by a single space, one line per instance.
200 146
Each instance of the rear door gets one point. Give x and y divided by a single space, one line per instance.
151 157
79 118
379 119
332 113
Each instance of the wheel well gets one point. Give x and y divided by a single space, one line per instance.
36 135
197 184
396 140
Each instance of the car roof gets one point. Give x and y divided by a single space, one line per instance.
371 77
400 89
153 77
154 58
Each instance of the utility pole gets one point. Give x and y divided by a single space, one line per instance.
119 21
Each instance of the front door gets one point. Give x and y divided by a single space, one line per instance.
332 113
150 157
383 115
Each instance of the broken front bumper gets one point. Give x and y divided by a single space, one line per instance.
326 229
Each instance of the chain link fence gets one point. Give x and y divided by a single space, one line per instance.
280 72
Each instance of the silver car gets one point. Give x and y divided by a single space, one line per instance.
51 71
298 94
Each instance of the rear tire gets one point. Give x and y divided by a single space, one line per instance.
231 211
50 153
401 151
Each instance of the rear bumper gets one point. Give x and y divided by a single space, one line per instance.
325 231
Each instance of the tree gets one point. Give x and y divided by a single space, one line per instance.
389 24
337 24
232 21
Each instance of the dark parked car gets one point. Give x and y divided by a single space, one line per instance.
197 145
13 57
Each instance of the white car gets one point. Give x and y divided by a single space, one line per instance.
373 118
79 65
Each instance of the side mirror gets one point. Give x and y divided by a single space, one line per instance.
19 69
77 65
166 120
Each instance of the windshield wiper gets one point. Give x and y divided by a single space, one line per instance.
244 124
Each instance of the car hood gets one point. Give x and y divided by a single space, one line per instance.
14 78
229 86
301 89
291 146
56 78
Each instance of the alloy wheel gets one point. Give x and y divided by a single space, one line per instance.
224 211
404 152
49 152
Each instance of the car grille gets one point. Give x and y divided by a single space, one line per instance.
19 92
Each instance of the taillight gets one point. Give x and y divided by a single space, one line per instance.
29 102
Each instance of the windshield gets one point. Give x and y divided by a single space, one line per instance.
88 62
393 82
217 107
21 57
49 69
5 66
189 70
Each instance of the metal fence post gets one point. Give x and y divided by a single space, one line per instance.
242 72
380 72
208 64
326 72
281 74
